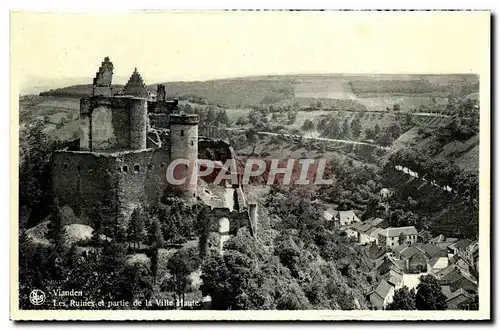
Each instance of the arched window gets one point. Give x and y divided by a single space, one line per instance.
125 169
182 132
223 225
137 168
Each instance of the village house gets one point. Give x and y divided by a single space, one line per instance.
434 250
415 259
437 264
457 278
395 236
387 263
459 247
443 241
386 193
394 278
347 217
364 231
382 295
375 252
424 236
458 299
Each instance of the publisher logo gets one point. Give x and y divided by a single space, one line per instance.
37 297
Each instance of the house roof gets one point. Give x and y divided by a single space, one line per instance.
462 264
473 246
438 239
330 213
346 214
441 239
456 274
373 232
383 289
438 262
459 292
411 251
445 271
461 244
373 222
360 226
396 231
392 277
395 264
432 250
446 290
400 248
375 252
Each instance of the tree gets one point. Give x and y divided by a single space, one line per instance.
346 130
222 118
188 108
308 125
136 227
226 278
376 130
54 233
356 128
404 299
180 265
241 121
429 295
210 115
155 234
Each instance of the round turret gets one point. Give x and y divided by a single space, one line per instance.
184 145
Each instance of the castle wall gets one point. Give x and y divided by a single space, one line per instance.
138 123
84 132
103 133
86 183
106 188
158 120
121 123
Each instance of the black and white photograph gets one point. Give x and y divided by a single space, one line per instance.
246 165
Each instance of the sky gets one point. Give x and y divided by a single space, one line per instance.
173 46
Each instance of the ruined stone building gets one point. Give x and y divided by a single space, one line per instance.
127 141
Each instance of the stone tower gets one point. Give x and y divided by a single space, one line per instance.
184 145
135 86
103 78
111 123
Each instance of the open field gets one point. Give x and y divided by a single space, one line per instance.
381 101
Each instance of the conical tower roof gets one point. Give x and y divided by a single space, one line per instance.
135 85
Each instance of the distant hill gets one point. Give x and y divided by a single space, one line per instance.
288 89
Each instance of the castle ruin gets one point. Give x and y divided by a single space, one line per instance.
127 140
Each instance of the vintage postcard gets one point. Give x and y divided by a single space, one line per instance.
245 165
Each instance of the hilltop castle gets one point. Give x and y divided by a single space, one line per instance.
127 140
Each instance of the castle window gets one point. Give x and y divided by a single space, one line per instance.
78 168
125 168
137 168
182 132
192 143
66 166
